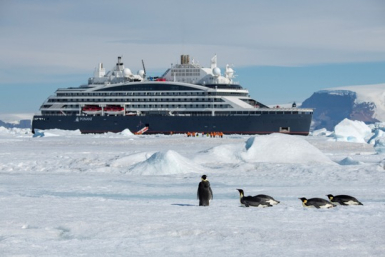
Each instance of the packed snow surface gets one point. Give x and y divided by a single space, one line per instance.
67 194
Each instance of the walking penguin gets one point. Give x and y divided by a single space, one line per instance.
205 194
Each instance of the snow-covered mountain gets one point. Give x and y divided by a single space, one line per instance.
17 124
364 103
19 120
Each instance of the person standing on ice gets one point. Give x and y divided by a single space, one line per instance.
205 194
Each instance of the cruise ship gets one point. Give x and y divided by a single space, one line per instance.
186 98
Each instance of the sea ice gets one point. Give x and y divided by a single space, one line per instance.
281 148
113 195
352 131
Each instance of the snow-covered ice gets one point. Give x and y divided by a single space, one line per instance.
128 195
352 131
280 148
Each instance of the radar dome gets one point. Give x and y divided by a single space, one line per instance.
127 72
216 71
141 73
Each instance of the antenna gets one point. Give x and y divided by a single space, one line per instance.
144 69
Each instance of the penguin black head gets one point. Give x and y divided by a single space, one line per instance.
330 197
240 192
303 199
204 177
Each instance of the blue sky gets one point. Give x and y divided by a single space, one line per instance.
282 51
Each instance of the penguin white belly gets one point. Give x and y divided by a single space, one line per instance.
272 202
351 202
327 206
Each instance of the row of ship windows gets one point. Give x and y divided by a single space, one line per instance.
160 106
186 70
53 100
220 113
132 93
154 94
185 74
179 106
245 113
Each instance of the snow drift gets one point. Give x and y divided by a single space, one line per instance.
165 163
55 133
227 153
127 161
281 148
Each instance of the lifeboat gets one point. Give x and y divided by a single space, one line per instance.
113 109
92 109
131 113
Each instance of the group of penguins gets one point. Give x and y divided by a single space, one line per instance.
205 194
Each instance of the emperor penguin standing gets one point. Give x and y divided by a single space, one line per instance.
205 194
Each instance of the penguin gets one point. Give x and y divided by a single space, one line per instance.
205 194
344 200
268 198
256 201
316 203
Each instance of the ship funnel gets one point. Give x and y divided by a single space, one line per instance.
184 59
119 65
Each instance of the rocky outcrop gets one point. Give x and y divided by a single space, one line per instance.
332 106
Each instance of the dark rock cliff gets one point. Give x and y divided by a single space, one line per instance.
332 106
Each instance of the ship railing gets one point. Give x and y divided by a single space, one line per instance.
285 109
206 112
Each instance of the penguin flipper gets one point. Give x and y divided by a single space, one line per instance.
198 193
211 194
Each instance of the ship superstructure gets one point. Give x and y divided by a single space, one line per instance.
187 97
